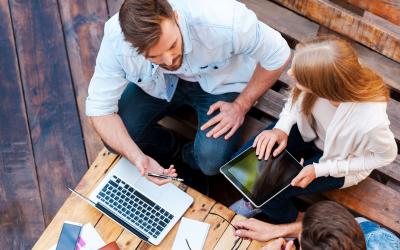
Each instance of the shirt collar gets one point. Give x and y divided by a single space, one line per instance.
183 26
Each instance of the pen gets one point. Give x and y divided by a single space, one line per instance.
164 176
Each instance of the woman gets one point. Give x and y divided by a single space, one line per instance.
335 119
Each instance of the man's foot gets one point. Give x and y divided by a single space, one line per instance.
244 208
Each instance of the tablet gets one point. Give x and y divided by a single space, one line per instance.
259 180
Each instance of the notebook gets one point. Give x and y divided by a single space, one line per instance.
191 232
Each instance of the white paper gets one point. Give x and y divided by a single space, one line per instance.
195 232
89 239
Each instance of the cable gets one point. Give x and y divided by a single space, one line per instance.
238 240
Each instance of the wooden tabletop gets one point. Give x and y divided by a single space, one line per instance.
220 235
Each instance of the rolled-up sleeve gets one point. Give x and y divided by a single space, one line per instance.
381 150
258 40
107 84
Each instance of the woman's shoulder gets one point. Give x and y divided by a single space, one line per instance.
370 114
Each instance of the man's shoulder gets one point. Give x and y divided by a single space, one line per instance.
209 22
112 27
113 33
207 12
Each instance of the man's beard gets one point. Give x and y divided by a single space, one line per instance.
176 64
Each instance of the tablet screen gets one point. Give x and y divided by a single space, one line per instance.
260 180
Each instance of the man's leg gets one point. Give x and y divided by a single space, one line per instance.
207 154
140 113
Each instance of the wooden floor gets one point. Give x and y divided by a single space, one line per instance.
47 54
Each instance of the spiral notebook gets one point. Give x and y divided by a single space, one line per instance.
191 235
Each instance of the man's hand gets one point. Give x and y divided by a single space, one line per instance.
266 140
146 164
230 118
305 177
257 230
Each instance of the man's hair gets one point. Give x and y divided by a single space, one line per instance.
140 21
329 226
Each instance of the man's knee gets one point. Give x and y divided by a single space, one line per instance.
211 156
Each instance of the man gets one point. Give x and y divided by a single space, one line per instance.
326 226
157 55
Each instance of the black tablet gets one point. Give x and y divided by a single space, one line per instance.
259 180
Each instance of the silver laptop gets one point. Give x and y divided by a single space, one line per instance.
147 210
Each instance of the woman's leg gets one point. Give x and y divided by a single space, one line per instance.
297 147
281 208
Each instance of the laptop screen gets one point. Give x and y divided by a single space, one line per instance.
260 180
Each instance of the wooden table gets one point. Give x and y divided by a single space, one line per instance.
74 209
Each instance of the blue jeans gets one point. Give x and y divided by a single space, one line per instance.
140 113
377 237
281 208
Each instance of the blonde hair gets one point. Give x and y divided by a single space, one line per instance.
330 69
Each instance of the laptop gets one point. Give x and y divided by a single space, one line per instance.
259 180
147 210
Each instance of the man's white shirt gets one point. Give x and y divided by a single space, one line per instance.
223 42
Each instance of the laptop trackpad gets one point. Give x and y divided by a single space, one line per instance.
148 188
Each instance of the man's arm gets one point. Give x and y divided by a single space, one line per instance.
114 133
105 89
232 114
259 41
261 231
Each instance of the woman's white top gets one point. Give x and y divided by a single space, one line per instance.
355 137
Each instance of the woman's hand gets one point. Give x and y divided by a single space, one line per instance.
266 140
305 177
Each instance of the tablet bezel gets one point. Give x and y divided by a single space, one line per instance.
225 171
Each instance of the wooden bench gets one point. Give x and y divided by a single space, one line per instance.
377 197
220 235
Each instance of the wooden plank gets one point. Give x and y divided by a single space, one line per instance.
217 224
256 245
395 185
288 26
227 241
19 189
74 208
372 200
388 9
388 69
108 229
382 22
199 209
393 111
113 6
392 170
54 122
354 9
128 241
292 25
271 103
344 22
83 23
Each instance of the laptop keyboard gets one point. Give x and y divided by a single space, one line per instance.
134 207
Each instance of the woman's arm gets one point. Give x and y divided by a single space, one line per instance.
381 150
